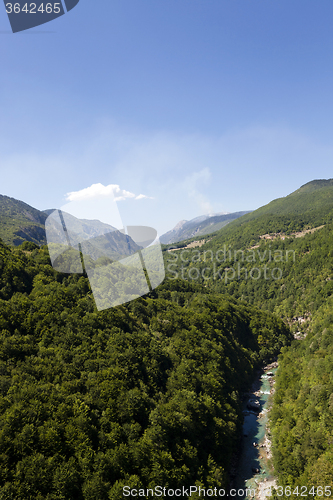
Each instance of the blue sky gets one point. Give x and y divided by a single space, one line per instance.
197 105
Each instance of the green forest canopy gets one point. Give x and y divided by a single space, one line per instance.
142 394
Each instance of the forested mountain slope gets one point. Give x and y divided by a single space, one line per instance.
302 423
147 393
198 227
20 222
291 275
309 206
142 394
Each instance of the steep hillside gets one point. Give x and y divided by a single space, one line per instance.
310 201
308 207
198 227
265 263
287 273
302 423
20 222
291 276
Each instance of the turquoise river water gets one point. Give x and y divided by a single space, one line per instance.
252 457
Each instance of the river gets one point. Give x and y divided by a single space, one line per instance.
253 468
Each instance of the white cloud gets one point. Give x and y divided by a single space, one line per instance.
99 191
142 196
188 174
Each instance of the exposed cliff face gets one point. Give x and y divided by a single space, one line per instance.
20 222
34 233
204 224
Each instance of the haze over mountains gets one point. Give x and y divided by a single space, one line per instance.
311 204
20 222
199 226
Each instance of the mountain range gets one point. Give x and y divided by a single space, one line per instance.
309 205
20 222
199 226
279 258
151 391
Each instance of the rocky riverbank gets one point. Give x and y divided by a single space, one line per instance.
265 485
254 471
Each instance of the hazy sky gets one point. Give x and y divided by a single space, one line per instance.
188 106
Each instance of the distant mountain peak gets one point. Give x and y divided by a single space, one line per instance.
20 222
204 224
179 225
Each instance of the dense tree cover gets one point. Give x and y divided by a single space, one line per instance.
304 283
143 394
302 423
301 286
147 393
309 206
302 411
20 222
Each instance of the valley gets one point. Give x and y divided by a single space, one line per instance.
301 295
150 392
254 470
